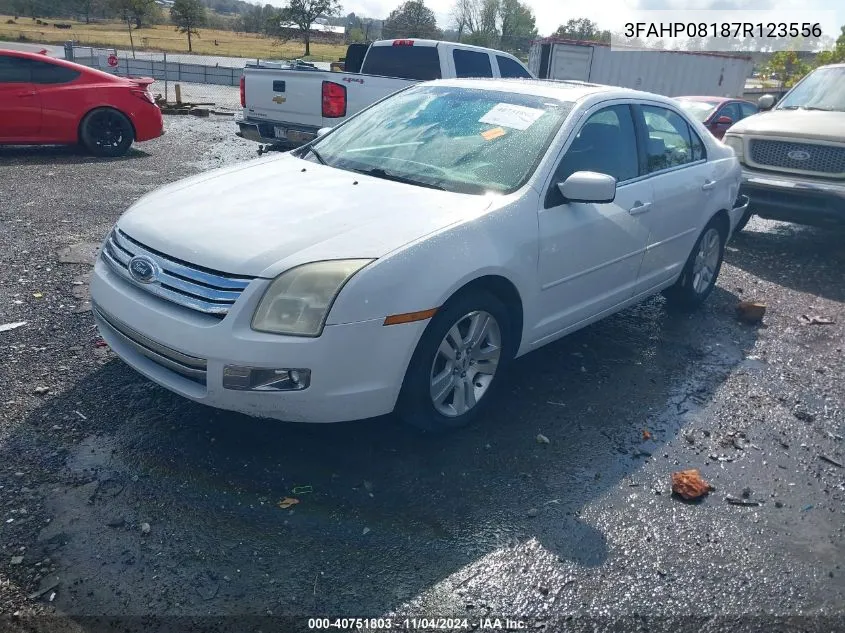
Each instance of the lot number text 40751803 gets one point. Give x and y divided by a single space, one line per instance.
416 624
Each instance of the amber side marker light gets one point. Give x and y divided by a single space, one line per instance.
410 317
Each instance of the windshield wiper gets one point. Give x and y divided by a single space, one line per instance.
377 172
310 148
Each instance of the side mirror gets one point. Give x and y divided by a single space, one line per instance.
766 102
588 186
724 120
323 131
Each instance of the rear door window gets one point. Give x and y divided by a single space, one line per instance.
471 63
405 62
510 68
47 73
670 141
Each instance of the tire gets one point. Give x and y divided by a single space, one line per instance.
106 132
701 271
465 377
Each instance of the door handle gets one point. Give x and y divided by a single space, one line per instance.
639 207
26 94
708 185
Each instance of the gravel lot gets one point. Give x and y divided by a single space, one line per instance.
125 500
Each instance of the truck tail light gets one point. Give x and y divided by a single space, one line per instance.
243 92
334 100
403 42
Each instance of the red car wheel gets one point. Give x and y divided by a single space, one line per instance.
106 132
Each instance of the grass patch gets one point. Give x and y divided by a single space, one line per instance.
163 38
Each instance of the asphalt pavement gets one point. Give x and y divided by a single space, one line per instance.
118 498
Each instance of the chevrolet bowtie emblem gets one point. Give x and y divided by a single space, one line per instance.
279 99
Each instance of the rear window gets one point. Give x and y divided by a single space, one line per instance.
46 73
471 63
510 68
405 62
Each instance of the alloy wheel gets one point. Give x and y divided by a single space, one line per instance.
465 363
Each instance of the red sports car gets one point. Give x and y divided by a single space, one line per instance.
51 101
717 113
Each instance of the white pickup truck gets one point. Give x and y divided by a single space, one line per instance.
288 104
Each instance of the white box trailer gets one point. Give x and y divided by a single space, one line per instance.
669 73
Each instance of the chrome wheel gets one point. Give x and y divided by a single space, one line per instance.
465 363
706 261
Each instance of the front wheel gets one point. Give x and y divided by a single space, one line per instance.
106 132
458 363
701 271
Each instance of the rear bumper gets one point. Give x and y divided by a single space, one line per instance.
273 133
148 123
740 207
794 199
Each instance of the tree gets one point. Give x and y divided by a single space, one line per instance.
411 19
788 66
85 7
582 29
517 25
187 15
836 55
302 13
509 24
138 11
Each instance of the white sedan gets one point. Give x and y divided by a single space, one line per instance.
403 259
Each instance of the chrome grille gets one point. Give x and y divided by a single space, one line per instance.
186 284
824 159
191 367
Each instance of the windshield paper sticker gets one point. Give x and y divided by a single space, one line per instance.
515 117
492 133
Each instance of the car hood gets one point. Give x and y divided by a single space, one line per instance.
810 124
264 216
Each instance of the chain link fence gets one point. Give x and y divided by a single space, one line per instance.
193 79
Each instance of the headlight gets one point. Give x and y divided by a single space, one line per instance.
735 143
298 301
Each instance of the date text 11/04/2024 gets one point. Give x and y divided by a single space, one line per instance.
760 30
417 624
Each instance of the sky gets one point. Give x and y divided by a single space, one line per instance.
611 14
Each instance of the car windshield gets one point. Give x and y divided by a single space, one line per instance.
700 110
822 89
457 139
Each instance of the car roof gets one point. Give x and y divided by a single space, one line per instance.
41 57
433 43
563 90
713 99
707 99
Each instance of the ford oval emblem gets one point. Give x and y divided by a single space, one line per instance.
799 154
143 269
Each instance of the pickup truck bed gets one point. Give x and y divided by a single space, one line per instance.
304 94
287 104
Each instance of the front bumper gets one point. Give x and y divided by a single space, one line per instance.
794 199
356 369
272 133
